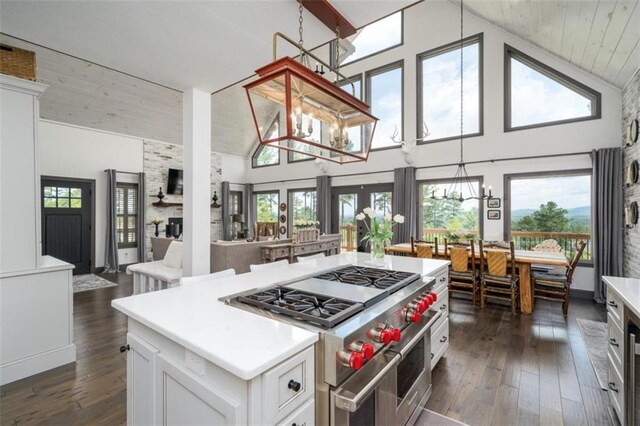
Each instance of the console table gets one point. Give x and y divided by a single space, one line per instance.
273 252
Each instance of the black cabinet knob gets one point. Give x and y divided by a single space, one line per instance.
612 386
443 339
124 348
612 342
614 304
294 386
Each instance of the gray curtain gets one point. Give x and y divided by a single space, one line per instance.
141 225
323 203
405 202
226 212
111 263
248 208
607 231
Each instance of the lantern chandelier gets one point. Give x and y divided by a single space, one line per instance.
319 118
461 188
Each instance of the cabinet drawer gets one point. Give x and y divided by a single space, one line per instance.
615 339
303 416
442 279
287 386
615 307
439 342
441 305
615 391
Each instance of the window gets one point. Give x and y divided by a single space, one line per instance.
126 214
549 206
267 155
302 205
62 197
448 218
537 95
376 37
385 95
235 202
266 206
439 90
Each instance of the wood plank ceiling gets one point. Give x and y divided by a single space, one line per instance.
599 36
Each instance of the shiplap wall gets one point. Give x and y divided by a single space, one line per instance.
630 111
89 95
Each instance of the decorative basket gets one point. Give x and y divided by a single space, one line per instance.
305 235
17 62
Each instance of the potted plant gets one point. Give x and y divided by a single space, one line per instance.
379 231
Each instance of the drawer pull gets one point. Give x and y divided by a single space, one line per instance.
431 355
443 339
443 307
613 342
294 386
124 348
443 279
612 386
613 304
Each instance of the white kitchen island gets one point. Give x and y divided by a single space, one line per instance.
192 359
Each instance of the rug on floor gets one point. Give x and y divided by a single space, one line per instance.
594 334
86 282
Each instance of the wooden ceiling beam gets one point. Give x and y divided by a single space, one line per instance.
328 15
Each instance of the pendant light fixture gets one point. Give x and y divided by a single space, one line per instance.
461 187
314 116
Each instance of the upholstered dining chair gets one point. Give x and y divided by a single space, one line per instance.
498 275
556 287
462 272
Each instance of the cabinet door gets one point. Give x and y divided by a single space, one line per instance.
184 399
141 365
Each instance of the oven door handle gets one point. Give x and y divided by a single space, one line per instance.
346 399
406 348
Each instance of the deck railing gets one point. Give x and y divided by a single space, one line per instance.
567 240
348 237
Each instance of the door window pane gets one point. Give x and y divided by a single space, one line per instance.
75 193
381 203
63 192
303 206
267 206
385 97
76 203
50 191
50 203
348 225
63 202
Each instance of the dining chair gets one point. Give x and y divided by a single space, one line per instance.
270 265
462 272
556 287
424 249
498 275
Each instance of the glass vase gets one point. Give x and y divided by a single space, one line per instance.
377 250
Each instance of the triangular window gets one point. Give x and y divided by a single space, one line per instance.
268 155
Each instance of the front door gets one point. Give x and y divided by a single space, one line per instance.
347 201
67 209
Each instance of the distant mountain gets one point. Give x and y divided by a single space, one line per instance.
572 213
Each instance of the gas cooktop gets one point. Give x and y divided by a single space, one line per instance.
383 279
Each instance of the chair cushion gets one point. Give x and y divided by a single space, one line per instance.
173 257
157 270
505 280
561 278
461 275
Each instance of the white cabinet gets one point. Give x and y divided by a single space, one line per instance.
141 366
440 330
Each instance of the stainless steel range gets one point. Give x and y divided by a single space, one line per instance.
373 363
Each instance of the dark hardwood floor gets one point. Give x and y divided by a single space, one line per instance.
501 369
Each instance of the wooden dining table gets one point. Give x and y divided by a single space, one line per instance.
524 260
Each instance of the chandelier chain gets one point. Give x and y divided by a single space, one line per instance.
461 81
300 31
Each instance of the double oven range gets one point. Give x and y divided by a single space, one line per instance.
373 358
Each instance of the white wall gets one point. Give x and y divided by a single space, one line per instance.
78 152
432 24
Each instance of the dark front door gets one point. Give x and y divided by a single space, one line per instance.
347 201
67 209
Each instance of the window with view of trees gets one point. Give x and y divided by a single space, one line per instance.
450 218
383 34
266 206
537 95
126 214
384 94
302 205
439 90
268 155
550 207
235 202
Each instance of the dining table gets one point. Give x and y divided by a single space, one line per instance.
523 259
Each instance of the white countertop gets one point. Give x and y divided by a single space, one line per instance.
628 289
45 264
194 317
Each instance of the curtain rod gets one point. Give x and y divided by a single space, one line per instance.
120 171
494 160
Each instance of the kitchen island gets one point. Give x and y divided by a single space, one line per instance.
192 358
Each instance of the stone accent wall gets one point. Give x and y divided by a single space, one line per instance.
159 157
631 110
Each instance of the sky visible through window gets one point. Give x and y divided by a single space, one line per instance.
536 98
375 37
441 93
386 105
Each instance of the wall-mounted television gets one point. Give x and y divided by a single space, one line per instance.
174 182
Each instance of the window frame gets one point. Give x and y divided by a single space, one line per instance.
551 173
125 216
332 44
481 204
290 205
239 194
367 93
431 53
256 153
553 74
255 204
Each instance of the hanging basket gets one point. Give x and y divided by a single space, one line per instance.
17 62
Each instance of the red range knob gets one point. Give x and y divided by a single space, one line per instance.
412 316
433 296
356 360
396 334
386 336
427 302
367 351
